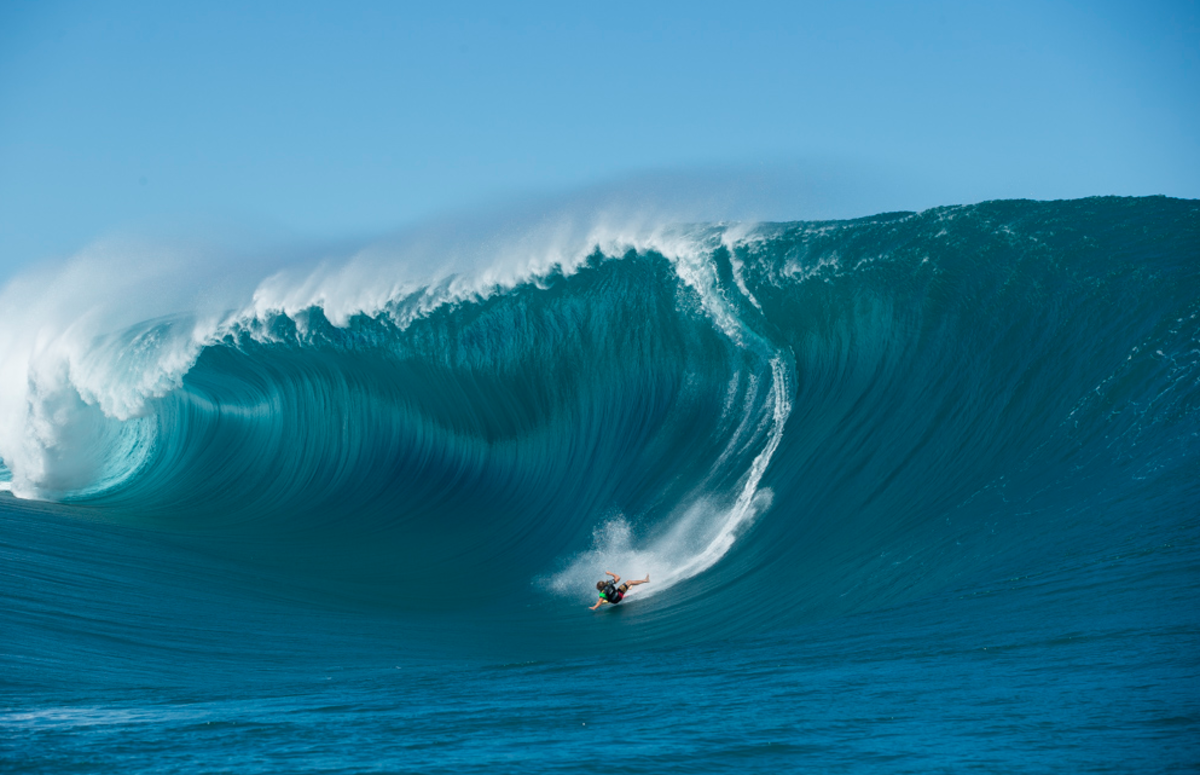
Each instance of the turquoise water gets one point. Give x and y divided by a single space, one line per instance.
916 492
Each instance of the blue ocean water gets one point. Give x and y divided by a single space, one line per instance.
916 492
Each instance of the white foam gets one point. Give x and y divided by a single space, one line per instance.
84 346
438 266
697 537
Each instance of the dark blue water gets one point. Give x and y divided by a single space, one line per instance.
915 492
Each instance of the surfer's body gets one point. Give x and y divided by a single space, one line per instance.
611 593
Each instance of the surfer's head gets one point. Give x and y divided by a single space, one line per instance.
600 585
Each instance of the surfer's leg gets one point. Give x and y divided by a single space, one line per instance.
635 582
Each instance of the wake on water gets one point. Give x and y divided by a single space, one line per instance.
864 410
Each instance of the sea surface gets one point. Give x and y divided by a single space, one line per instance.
917 492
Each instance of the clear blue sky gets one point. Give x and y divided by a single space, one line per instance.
337 120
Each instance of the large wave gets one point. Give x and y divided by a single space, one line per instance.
811 417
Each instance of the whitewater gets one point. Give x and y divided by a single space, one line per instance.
916 491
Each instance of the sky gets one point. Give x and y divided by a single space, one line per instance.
330 121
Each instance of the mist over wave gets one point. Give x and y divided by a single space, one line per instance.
807 419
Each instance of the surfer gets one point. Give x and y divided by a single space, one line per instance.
611 593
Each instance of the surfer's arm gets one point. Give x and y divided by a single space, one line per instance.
599 603
616 578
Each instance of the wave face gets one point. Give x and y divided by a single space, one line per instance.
804 419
